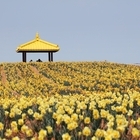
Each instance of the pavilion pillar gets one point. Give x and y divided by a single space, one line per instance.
24 56
49 56
52 56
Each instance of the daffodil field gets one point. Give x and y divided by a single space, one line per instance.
69 101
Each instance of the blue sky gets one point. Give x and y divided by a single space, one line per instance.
85 30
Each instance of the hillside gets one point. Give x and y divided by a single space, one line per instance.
69 101
67 77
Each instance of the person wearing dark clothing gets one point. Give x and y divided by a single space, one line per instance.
39 60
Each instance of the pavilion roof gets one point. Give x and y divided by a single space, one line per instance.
38 45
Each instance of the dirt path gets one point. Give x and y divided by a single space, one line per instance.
35 70
19 73
3 76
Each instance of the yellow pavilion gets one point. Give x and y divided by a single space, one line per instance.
37 45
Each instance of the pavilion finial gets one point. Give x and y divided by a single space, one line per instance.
37 36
